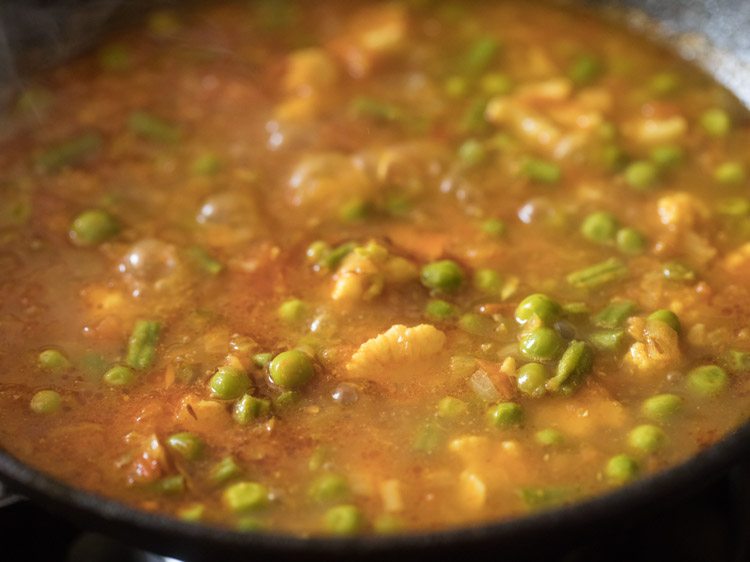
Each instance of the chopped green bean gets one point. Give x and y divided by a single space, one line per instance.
329 488
574 365
668 317
599 274
730 173
204 261
69 153
188 445
142 344
614 314
541 171
119 376
243 497
344 520
249 408
153 128
607 340
224 470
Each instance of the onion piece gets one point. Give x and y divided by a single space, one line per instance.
482 385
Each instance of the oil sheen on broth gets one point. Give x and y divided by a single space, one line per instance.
367 268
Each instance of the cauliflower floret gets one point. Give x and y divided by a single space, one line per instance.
365 271
681 211
657 131
657 348
398 344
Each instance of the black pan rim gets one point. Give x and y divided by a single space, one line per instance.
706 465
109 515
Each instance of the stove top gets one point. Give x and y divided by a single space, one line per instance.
711 526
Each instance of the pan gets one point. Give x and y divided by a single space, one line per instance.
711 32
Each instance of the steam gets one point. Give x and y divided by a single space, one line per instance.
36 34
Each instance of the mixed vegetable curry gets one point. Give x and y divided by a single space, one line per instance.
348 267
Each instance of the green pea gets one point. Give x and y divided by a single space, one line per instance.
621 469
114 58
668 155
292 311
496 84
641 175
286 399
93 227
142 344
505 415
249 408
206 165
600 227
192 513
388 524
647 439
46 402
733 207
472 153
549 437
477 324
668 317
224 470
716 122
187 445
614 314
171 485
245 496
329 488
538 305
228 383
344 520
631 242
262 360
291 369
440 309
664 83
53 361
730 173
317 251
494 227
451 408
445 275
574 365
531 379
488 281
584 69
661 407
541 344
707 381
456 87
541 171
119 376
676 271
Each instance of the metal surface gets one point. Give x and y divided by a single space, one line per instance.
722 21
